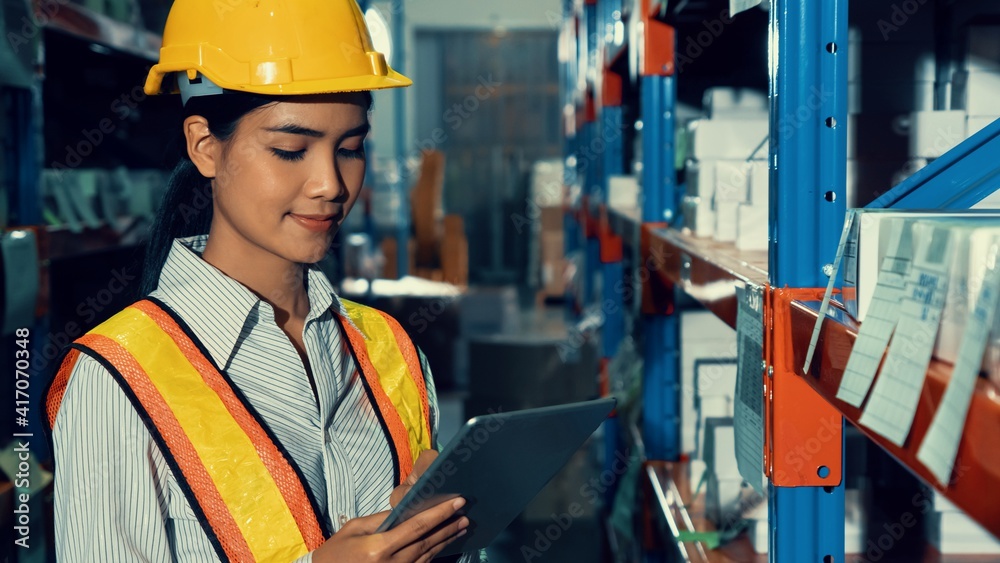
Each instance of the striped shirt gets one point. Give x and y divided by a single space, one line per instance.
115 496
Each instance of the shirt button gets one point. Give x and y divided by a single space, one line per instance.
342 519
328 436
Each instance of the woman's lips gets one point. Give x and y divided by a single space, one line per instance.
315 223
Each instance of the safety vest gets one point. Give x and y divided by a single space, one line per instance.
251 498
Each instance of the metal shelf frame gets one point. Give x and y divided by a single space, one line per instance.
807 160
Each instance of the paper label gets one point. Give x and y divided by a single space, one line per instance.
893 403
748 419
845 236
940 445
737 6
880 321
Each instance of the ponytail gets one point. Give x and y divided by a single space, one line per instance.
186 210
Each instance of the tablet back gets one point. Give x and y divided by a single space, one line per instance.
498 463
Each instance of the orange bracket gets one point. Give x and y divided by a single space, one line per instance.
590 107
657 289
603 377
611 88
656 45
804 433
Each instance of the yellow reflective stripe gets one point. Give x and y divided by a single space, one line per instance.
229 457
393 373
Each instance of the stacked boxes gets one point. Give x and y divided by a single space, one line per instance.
728 153
708 374
951 531
552 253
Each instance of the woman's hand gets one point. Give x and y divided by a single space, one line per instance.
416 540
424 461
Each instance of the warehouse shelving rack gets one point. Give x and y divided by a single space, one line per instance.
808 44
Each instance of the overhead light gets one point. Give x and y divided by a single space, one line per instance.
381 37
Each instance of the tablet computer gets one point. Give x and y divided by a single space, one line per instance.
498 463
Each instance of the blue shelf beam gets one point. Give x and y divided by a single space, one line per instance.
959 179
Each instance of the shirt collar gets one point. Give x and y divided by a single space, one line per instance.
218 321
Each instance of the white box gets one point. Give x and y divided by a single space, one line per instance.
715 406
703 337
976 92
956 533
975 123
735 103
970 247
933 133
715 378
751 227
726 213
733 139
869 244
982 48
700 179
720 451
623 192
698 216
759 183
732 180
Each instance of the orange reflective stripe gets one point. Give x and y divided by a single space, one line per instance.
292 489
58 387
413 363
181 449
393 422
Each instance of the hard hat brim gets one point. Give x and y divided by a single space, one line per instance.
393 79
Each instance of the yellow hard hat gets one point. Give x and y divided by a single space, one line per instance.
277 47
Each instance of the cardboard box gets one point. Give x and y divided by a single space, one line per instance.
732 180
623 192
751 227
982 51
869 241
933 133
700 179
455 259
759 183
975 92
454 225
552 219
729 139
698 216
957 533
726 213
975 123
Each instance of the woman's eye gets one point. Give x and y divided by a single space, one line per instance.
353 153
291 156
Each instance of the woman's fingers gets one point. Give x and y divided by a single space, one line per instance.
423 525
365 525
440 547
432 544
424 461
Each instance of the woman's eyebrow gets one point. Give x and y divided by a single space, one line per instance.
296 130
362 129
293 129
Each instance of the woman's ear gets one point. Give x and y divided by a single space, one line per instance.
202 147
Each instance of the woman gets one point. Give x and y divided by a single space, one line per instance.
242 411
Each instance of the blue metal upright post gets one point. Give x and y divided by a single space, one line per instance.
399 101
661 366
808 144
612 303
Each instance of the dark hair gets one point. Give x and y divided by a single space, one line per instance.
186 207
